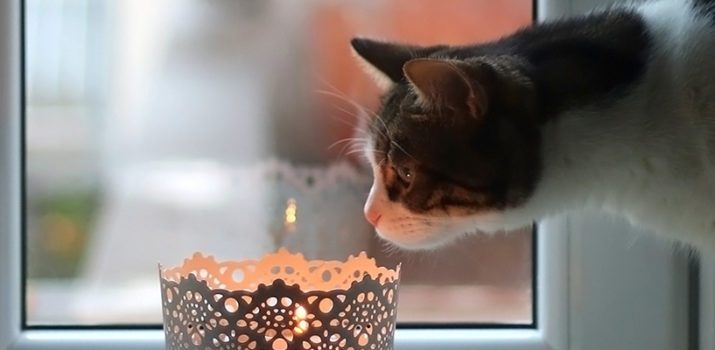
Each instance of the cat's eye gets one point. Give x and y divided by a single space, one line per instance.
405 174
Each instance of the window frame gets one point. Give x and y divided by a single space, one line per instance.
558 268
706 303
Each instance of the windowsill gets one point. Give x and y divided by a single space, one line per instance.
406 339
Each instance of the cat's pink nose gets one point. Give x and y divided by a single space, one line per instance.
371 213
372 216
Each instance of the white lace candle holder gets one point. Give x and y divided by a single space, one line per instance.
281 302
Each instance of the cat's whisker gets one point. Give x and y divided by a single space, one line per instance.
356 106
354 150
351 144
347 123
394 251
384 125
360 150
346 150
332 86
357 127
349 140
350 113
345 97
355 147
363 157
363 152
362 141
347 100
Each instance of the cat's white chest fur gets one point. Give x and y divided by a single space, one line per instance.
649 156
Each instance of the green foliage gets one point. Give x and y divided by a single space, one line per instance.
59 228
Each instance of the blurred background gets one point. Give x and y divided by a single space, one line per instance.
158 128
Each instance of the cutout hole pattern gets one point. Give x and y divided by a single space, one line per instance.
200 313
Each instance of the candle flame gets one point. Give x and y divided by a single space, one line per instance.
300 312
300 315
291 214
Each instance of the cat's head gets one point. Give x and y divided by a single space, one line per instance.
454 147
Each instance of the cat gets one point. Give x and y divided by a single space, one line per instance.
613 110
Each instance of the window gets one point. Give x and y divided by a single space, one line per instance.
164 128
591 292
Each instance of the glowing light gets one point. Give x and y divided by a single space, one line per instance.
300 315
291 214
300 312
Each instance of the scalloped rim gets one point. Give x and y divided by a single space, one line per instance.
292 268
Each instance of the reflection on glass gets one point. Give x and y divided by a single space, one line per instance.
158 128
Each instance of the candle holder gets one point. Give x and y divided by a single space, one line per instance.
280 302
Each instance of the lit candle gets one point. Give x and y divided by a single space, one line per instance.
291 214
301 323
280 302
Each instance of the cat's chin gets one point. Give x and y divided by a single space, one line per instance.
440 232
418 240
436 234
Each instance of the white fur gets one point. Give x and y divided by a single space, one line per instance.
649 157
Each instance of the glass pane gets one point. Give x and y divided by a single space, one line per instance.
157 128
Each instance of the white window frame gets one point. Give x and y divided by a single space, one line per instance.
707 303
563 318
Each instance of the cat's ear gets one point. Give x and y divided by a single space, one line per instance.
383 61
446 84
